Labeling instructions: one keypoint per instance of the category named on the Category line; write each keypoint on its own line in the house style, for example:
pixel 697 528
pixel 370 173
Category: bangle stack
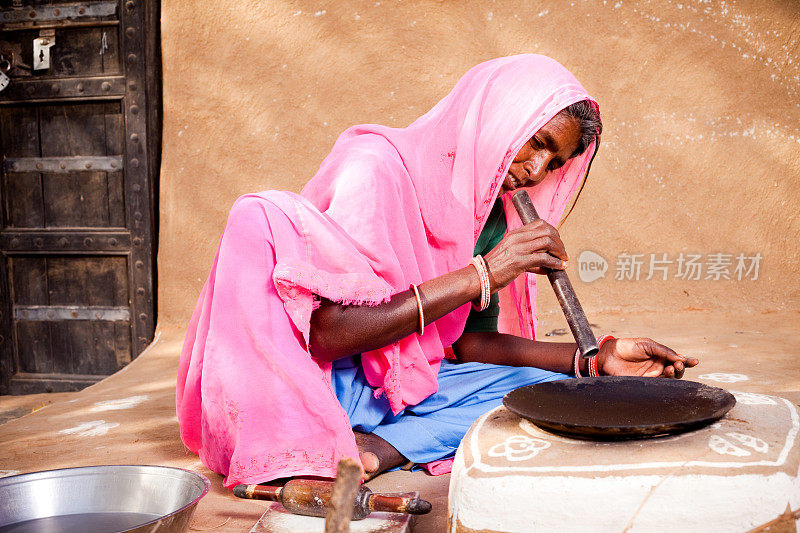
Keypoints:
pixel 576 363
pixel 592 362
pixel 483 274
pixel 421 329
pixel 603 338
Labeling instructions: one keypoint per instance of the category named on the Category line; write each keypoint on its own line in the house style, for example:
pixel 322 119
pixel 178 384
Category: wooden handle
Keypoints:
pixel 345 488
pixel 581 331
pixel 398 504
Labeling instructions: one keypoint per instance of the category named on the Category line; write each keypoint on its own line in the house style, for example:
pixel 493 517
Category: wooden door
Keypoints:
pixel 79 161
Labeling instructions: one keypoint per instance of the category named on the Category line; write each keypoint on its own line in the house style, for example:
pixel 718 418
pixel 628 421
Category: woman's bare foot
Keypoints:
pixel 377 455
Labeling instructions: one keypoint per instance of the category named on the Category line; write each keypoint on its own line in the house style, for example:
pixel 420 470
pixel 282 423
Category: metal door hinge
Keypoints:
pixel 64 13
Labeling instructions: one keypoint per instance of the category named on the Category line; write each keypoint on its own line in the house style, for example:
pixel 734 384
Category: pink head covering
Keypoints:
pixel 417 198
pixel 387 208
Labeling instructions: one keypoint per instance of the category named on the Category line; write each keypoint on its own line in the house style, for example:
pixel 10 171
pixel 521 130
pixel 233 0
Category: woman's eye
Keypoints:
pixel 535 144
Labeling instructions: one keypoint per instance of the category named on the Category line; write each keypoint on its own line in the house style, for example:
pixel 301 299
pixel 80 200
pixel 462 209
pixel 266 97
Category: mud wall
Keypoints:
pixel 698 174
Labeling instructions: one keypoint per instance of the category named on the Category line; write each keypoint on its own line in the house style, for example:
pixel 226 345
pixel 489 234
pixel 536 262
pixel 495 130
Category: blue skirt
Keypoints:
pixel 432 429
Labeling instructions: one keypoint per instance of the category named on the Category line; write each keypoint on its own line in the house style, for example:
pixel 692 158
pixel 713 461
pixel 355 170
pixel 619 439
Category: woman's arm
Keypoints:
pixel 503 349
pixel 339 331
pixel 617 357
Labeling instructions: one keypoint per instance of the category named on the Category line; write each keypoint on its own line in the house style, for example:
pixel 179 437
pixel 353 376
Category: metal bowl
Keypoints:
pixel 101 499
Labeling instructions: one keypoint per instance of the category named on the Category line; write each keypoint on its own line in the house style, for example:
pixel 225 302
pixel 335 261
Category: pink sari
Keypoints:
pixel 387 208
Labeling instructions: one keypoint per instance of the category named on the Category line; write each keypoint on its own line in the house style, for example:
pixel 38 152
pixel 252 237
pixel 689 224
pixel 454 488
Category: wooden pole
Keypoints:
pixel 343 496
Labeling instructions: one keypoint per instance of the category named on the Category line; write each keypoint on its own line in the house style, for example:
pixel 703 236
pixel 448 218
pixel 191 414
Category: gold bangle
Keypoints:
pixel 421 329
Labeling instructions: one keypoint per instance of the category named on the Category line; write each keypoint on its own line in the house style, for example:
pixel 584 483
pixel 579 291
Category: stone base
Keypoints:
pixel 734 475
pixel 276 519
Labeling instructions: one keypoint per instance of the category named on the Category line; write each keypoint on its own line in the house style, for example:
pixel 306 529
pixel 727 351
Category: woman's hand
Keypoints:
pixel 535 248
pixel 642 357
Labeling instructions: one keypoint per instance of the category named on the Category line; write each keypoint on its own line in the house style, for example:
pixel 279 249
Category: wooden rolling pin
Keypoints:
pixel 312 498
pixel 576 318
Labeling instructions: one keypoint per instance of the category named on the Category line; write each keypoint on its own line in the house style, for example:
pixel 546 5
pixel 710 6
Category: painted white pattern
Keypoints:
pixel 724 378
pixel 723 446
pixel 519 448
pixel 751 398
pixel 115 405
pixel 478 464
pixel 95 428
pixel 750 441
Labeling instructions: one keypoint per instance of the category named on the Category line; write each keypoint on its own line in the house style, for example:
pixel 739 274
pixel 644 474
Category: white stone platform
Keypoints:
pixel 734 475
pixel 276 519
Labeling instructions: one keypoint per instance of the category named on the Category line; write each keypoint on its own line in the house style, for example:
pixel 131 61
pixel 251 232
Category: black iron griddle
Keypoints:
pixel 619 408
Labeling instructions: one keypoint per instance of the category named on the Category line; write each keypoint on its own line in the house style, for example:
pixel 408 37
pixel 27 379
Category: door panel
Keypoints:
pixel 72 313
pixel 83 199
pixel 77 52
pixel 24 205
pixel 77 191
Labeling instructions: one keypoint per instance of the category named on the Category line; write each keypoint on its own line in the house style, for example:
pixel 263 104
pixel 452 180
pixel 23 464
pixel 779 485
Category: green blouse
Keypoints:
pixel 492 234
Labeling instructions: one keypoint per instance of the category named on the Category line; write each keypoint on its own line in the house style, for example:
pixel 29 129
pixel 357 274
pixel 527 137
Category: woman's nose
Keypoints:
pixel 536 167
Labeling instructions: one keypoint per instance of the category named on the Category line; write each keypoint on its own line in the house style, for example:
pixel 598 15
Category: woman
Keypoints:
pixel 334 322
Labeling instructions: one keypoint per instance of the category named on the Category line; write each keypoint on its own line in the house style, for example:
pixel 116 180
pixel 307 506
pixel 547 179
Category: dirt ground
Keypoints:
pixel 12 407
pixel 130 417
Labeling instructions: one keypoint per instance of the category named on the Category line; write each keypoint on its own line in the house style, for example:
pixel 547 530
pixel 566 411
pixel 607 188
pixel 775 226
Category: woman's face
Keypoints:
pixel 548 149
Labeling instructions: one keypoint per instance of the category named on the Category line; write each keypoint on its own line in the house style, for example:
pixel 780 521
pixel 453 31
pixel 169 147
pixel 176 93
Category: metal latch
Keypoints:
pixel 6 61
pixel 41 49
pixel 6 64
